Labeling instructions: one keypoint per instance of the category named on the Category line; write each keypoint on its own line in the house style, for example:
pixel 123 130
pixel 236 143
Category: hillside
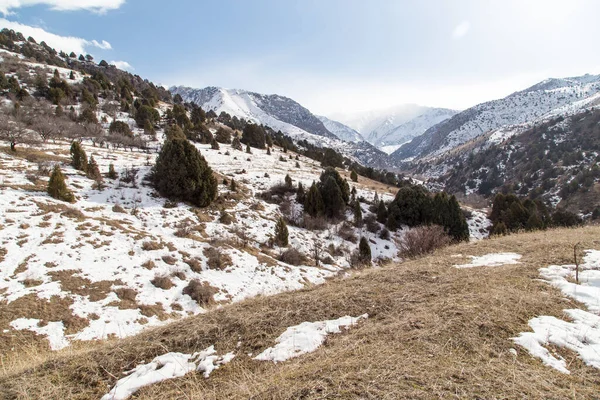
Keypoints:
pixel 519 112
pixel 433 330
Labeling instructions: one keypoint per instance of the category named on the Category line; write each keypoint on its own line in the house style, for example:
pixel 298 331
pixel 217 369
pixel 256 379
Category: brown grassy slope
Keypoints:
pixel 434 332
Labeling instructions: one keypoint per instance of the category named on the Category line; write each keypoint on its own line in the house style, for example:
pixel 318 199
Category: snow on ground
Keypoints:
pixel 96 260
pixel 479 224
pixel 492 260
pixel 305 338
pixel 165 367
pixel 582 334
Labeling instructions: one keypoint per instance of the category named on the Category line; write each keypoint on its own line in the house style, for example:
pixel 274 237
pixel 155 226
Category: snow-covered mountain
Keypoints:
pixel 515 113
pixel 389 128
pixel 413 128
pixel 282 114
pixel 342 131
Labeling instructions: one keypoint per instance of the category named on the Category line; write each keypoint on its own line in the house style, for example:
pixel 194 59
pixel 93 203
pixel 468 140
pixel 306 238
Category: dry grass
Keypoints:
pixel 434 331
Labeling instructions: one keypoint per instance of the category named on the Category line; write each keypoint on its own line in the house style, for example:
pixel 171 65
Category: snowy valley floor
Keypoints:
pixel 432 331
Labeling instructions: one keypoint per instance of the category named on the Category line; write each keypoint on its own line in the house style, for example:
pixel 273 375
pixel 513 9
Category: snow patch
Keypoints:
pixel 305 338
pixel 165 367
pixel 492 260
pixel 54 331
pixel 582 335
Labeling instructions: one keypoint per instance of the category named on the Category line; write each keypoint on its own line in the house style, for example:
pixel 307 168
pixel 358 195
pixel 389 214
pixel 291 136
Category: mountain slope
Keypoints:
pixel 429 322
pixel 417 126
pixel 341 131
pixel 281 114
pixel 544 100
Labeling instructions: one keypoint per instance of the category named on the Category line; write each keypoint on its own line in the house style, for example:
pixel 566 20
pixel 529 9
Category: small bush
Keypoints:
pixel 126 294
pixel 202 293
pixel 118 209
pixel 384 234
pixel 292 256
pixel 152 245
pixel 371 223
pixel 314 223
pixel 194 263
pixel 162 282
pixel 169 259
pixel 423 240
pixel 346 232
pixel 216 259
pixel 149 264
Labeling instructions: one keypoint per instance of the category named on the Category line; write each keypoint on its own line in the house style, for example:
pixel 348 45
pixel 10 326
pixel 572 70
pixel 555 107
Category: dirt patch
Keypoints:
pixel 69 282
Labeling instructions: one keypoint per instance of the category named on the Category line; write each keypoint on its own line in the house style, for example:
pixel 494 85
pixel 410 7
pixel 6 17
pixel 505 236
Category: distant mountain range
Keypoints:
pixel 286 115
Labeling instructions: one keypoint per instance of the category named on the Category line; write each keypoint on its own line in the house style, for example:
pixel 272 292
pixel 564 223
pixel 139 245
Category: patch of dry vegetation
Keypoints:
pixel 434 331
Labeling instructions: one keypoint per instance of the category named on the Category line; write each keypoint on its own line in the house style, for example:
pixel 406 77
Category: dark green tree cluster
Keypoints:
pixel 120 127
pixel 512 214
pixel 281 233
pixel 329 197
pixel 254 135
pixel 414 206
pixel 181 173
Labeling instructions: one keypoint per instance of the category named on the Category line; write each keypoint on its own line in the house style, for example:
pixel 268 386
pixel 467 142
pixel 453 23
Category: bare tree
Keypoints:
pixel 45 126
pixel 13 128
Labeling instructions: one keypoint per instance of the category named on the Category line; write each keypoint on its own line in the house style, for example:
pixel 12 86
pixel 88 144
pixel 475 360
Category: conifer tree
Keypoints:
pixel 233 186
pixel 112 174
pixel 248 149
pixel 381 212
pixel 236 144
pixel 214 145
pixel 364 251
pixel 333 201
pixel 358 217
pixel 341 183
pixel 268 151
pixel 223 136
pixel 78 157
pixel 57 188
pixel 313 205
pixel 300 195
pixel 288 181
pixel 457 224
pixel 354 176
pixel 281 233
pixel 254 135
pixel 182 173
pixel 92 170
pixel 269 141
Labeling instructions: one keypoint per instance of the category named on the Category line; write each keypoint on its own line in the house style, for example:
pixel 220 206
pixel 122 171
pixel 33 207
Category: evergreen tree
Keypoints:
pixel 381 212
pixel 313 205
pixel 78 157
pixel 364 251
pixel 457 225
pixel 269 140
pixel 331 158
pixel 248 149
pixel 340 182
pixel 72 76
pixel 57 188
pixel 254 135
pixel 288 181
pixel 112 174
pixel 333 200
pixel 223 136
pixel 236 144
pixel 300 195
pixel 182 173
pixel 268 151
pixel 281 233
pixel 354 176
pixel 92 170
pixel 411 206
pixel 233 185
pixel 358 217
pixel 174 132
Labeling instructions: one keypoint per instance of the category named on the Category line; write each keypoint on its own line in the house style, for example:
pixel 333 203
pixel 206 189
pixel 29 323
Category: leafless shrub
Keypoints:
pixel 293 257
pixel 202 293
pixel 346 232
pixel 118 209
pixel 423 240
pixel 149 264
pixel 169 259
pixel 152 245
pixel 162 282
pixel 216 259
pixel 194 263
pixel 314 223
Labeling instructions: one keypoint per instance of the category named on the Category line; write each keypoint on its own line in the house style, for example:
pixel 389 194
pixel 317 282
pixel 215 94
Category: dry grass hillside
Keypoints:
pixel 433 331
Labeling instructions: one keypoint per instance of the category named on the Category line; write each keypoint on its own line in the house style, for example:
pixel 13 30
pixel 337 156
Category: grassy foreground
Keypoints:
pixel 434 331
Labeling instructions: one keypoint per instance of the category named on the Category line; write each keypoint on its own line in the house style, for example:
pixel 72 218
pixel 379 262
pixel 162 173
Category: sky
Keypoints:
pixel 332 56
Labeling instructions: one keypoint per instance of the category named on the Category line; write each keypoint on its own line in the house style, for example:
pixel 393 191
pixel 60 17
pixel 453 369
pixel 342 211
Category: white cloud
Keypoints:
pixel 98 6
pixel 124 65
pixel 104 45
pixel 461 30
pixel 65 43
